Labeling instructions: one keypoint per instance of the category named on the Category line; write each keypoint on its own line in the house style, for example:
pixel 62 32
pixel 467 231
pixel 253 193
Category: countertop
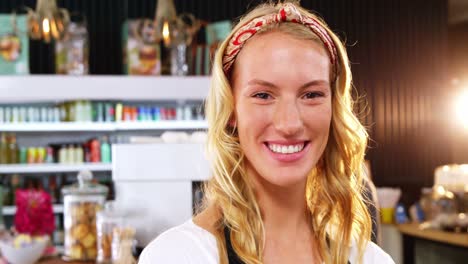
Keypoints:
pixel 457 239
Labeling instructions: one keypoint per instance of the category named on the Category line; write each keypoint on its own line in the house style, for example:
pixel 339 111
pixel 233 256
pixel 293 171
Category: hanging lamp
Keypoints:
pixel 48 21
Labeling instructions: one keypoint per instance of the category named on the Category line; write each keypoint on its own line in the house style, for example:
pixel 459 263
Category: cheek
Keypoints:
pixel 251 120
pixel 319 119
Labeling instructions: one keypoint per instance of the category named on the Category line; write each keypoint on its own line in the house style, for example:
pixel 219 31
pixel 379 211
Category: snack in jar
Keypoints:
pixel 82 202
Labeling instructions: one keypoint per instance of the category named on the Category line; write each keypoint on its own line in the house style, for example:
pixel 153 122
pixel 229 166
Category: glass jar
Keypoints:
pixel 426 203
pixel 445 209
pixel 71 53
pixel 106 221
pixel 123 244
pixel 81 202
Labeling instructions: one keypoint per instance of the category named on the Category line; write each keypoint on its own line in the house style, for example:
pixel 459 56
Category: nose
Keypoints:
pixel 287 118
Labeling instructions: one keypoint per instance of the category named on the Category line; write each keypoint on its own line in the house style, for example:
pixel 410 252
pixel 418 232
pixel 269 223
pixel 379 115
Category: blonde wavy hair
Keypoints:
pixel 339 214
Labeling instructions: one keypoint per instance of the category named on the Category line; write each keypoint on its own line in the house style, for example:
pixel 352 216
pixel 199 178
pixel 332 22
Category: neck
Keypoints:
pixel 284 208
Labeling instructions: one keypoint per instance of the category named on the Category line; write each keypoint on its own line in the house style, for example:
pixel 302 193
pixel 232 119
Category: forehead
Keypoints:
pixel 275 55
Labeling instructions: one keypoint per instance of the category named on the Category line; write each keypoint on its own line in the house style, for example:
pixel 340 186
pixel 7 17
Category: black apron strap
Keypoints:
pixel 233 258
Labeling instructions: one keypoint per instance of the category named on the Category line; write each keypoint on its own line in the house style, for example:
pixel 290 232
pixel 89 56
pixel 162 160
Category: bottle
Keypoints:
pixel 62 154
pixel 89 111
pixel 58 235
pixel 14 185
pixel 6 189
pixel 43 114
pixel 70 154
pixel 78 111
pixel 30 115
pixel 12 150
pixel 53 189
pixel 95 150
pixel 50 155
pixel 78 151
pixel 105 151
pixel 22 114
pixel 23 155
pixel 7 118
pixel 3 149
pixel 15 115
pixel 99 112
pixel 31 156
pixel 118 112
pixel 40 155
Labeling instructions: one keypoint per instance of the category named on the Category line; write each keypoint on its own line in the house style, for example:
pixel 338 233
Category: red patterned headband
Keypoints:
pixel 287 13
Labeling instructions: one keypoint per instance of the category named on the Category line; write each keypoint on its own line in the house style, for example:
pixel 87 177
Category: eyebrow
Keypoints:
pixel 271 85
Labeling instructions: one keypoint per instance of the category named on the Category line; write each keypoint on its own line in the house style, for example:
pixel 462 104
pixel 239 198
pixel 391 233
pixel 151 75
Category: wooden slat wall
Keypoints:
pixel 398 51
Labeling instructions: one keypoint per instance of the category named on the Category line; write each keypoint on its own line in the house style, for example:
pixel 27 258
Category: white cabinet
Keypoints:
pixel 154 184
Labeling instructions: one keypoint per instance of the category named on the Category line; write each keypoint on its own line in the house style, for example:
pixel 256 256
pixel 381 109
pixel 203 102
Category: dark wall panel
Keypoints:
pixel 398 52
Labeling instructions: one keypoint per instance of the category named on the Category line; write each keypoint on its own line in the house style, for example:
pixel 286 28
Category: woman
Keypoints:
pixel 286 151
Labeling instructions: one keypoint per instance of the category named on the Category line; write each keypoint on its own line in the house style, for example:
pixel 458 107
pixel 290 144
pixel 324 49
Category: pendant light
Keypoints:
pixel 48 21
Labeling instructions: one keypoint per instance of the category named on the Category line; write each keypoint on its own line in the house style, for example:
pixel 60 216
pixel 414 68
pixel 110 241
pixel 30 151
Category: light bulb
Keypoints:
pixel 166 34
pixel 46 25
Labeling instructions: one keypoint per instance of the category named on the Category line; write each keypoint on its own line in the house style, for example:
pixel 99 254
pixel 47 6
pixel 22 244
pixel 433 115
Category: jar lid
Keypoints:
pixel 110 213
pixel 85 186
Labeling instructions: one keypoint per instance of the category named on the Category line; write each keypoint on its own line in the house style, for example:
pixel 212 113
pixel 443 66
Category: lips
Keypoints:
pixel 287 151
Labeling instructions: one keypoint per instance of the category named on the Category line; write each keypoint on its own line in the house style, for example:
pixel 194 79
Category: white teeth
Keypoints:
pixel 286 149
pixel 296 148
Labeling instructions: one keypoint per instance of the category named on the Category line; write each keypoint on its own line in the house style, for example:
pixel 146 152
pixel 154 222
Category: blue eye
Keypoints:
pixel 263 96
pixel 312 95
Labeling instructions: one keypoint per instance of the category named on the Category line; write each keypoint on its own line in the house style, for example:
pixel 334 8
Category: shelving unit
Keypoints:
pixel 57 88
pixel 102 127
pixel 11 210
pixel 51 89
pixel 52 168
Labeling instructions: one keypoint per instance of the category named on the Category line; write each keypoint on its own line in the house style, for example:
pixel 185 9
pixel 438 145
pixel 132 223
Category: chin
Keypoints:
pixel 284 177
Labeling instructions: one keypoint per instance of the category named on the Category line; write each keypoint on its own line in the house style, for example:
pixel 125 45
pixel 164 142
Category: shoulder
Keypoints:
pixel 372 254
pixel 186 243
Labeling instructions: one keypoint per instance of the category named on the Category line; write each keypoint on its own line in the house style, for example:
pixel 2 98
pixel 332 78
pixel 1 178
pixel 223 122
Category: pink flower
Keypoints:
pixel 34 214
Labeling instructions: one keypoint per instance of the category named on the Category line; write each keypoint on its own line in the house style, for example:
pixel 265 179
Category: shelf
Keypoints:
pixel 46 88
pixel 45 127
pixel 162 125
pixel 11 210
pixel 48 168
pixel 105 127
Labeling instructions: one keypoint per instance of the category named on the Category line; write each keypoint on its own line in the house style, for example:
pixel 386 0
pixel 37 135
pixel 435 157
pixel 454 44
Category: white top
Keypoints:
pixel 190 244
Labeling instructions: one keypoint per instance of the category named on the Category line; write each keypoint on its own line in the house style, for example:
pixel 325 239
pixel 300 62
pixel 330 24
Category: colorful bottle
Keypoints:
pixel 105 151
pixel 15 185
pixel 95 150
pixel 78 151
pixel 12 150
pixel 62 154
pixel 3 149
pixel 50 155
pixel 52 188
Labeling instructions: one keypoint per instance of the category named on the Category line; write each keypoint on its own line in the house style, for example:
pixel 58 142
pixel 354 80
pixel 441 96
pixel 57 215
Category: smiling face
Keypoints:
pixel 283 109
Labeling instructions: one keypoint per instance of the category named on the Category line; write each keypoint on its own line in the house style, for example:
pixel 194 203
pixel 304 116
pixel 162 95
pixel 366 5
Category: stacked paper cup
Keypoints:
pixel 388 199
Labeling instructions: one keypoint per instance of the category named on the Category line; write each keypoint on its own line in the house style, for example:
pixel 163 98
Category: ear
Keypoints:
pixel 232 121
